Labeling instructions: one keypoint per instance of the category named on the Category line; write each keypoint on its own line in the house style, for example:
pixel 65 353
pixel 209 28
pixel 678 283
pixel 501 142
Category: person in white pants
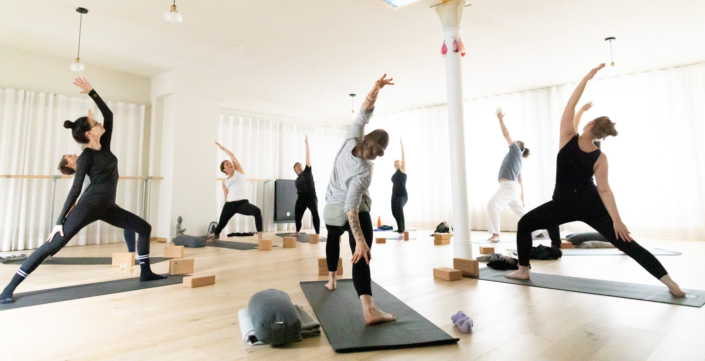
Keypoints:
pixel 511 188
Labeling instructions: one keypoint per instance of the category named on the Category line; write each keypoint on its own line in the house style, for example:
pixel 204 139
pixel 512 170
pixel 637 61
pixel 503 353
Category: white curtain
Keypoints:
pixel 268 150
pixel 32 141
pixel 657 163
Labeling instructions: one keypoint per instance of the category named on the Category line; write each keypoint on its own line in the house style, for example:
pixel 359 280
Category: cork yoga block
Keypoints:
pixel 406 236
pixel 441 239
pixel 444 236
pixel 181 266
pixel 289 242
pixel 193 282
pixel 323 271
pixel 313 239
pixel 264 245
pixel 323 262
pixel 447 274
pixel 486 250
pixel 468 267
pixel 340 240
pixel 174 252
pixel 566 245
pixel 380 240
pixel 124 257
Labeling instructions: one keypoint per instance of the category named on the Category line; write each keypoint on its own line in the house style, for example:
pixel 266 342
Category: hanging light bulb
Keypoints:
pixel 352 106
pixel 612 69
pixel 77 65
pixel 172 16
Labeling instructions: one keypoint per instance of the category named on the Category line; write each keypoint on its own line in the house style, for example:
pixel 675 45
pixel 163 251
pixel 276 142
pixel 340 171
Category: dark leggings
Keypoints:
pixel 398 203
pixel 242 207
pixel 312 204
pixel 83 214
pixel 361 270
pixel 569 205
pixel 130 239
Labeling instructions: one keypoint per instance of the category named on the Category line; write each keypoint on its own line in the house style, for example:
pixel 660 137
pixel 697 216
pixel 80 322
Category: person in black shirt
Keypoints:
pixel 306 189
pixel 98 201
pixel 399 195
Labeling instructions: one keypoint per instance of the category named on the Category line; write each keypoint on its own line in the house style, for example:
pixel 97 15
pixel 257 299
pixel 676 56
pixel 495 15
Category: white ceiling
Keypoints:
pixel 310 54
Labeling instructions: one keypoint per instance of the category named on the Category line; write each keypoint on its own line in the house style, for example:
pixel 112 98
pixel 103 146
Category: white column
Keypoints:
pixel 450 14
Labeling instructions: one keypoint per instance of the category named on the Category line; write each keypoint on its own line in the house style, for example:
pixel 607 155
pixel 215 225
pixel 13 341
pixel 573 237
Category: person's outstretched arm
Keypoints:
pixel 402 167
pixel 505 131
pixel 579 115
pixel 87 88
pixel 236 164
pixel 567 126
pixel 603 188
pixel 225 192
pixel 521 183
pixel 357 129
pixel 308 153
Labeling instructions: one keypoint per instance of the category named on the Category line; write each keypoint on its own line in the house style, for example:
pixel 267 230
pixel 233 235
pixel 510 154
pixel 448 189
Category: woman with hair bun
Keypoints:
pixel 577 198
pixel 98 202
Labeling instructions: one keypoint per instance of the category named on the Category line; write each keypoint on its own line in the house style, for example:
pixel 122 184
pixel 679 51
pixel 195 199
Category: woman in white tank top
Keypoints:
pixel 235 190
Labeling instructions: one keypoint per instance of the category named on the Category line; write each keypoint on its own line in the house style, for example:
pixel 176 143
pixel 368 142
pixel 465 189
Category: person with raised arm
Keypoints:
pixel 98 202
pixel 235 192
pixel 577 198
pixel 348 203
pixel 306 194
pixel 399 194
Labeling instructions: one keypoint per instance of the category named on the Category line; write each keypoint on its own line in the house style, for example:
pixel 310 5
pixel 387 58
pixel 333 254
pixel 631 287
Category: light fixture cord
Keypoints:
pixel 80 24
pixel 352 103
pixel 611 56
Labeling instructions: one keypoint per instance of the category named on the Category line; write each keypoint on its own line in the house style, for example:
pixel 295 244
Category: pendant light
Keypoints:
pixel 172 16
pixel 352 106
pixel 77 65
pixel 612 69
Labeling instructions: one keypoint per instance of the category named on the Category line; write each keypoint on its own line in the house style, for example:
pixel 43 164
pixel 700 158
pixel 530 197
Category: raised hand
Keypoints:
pixel 82 83
pixel 381 82
pixel 587 106
pixel 594 71
pixel 219 146
pixel 306 141
pixel 499 114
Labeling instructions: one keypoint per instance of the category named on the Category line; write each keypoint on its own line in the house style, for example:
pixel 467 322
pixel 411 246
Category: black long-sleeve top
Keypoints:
pixel 399 184
pixel 101 166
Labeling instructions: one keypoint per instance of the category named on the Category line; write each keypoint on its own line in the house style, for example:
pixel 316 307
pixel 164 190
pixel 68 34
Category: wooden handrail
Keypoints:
pixel 64 177
pixel 264 180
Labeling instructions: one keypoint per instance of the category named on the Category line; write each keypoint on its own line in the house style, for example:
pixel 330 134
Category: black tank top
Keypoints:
pixel 574 167
pixel 399 184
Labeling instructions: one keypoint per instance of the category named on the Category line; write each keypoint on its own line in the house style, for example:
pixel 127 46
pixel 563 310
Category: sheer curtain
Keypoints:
pixel 657 163
pixel 32 141
pixel 267 150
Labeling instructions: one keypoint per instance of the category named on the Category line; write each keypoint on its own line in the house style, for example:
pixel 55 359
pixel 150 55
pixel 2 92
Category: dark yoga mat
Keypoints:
pixel 340 315
pixel 36 298
pixel 694 298
pixel 302 238
pixel 241 246
pixel 84 261
pixel 609 252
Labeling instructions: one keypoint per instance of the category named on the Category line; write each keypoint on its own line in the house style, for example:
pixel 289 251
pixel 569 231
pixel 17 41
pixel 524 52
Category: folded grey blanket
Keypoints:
pixel 310 327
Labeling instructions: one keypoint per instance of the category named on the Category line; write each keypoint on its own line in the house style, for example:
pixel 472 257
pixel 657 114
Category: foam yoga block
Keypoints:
pixel 441 239
pixel 289 242
pixel 264 245
pixel 566 245
pixel 123 257
pixel 380 240
pixel 313 238
pixel 193 282
pixel 180 266
pixel 406 236
pixel 174 252
pixel 486 250
pixel 447 274
pixel 468 267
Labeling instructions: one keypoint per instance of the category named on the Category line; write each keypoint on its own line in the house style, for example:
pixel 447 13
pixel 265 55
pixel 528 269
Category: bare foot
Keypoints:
pixel 521 274
pixel 494 238
pixel 210 238
pixel 672 286
pixel 332 281
pixel 375 316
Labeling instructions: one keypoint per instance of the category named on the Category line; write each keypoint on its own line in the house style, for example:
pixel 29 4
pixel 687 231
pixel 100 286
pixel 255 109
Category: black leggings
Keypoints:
pixel 83 214
pixel 398 203
pixel 312 204
pixel 569 205
pixel 242 207
pixel 361 270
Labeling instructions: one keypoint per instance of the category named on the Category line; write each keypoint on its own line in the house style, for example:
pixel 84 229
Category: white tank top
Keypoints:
pixel 237 187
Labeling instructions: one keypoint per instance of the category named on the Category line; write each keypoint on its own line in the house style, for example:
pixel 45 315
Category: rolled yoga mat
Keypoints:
pixel 302 238
pixel 84 261
pixel 340 315
pixel 694 298
pixel 610 252
pixel 69 293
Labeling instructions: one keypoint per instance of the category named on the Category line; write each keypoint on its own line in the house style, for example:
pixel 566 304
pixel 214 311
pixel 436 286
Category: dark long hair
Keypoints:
pixel 79 129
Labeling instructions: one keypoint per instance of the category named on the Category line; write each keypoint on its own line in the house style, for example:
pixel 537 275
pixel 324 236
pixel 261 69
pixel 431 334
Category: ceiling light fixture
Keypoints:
pixel 77 65
pixel 612 70
pixel 172 16
pixel 399 3
pixel 352 106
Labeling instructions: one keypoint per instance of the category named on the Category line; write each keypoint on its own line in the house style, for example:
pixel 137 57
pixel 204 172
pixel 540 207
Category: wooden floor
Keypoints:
pixel 511 322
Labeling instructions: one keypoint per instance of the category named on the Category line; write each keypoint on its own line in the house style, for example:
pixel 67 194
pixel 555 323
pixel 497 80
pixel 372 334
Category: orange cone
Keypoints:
pixel 379 222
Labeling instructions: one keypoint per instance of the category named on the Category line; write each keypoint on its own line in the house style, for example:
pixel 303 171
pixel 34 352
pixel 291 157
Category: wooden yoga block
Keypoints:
pixel 447 274
pixel 181 266
pixel 440 239
pixel 469 267
pixel 323 262
pixel 406 236
pixel 486 250
pixel 193 282
pixel 340 240
pixel 323 271
pixel 380 240
pixel 124 257
pixel 566 245
pixel 289 242
pixel 313 238
pixel 264 245
pixel 174 252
